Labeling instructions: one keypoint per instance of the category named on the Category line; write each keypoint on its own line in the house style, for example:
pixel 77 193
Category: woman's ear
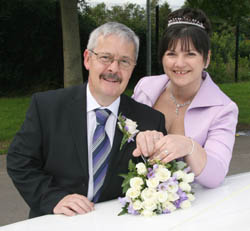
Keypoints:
pixel 208 59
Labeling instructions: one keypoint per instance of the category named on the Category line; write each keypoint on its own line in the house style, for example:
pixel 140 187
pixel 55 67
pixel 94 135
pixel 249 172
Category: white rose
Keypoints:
pixel 169 206
pixel 133 193
pixel 188 177
pixel 185 204
pixel 149 205
pixel 136 182
pixel 152 182
pixel 148 193
pixel 173 196
pixel 162 174
pixel 162 196
pixel 191 197
pixel 178 174
pixel 173 188
pixel 184 186
pixel 147 213
pixel 131 126
pixel 137 205
pixel 141 168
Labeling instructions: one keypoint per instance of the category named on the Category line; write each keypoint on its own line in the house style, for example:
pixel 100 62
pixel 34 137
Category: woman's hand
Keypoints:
pixel 172 147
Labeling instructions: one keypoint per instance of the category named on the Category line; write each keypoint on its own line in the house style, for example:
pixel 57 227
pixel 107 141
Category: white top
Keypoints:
pixel 91 126
pixel 226 208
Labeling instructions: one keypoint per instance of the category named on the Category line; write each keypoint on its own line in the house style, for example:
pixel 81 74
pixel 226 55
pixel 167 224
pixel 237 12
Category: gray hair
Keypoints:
pixel 114 28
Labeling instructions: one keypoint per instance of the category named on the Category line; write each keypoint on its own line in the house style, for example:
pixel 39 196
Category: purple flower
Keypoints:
pixel 124 117
pixel 155 166
pixel 151 173
pixel 177 203
pixel 132 211
pixel 183 195
pixel 165 211
pixel 123 200
pixel 126 127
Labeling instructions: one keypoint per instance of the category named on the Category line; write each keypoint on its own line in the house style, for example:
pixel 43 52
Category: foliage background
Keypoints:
pixel 31 51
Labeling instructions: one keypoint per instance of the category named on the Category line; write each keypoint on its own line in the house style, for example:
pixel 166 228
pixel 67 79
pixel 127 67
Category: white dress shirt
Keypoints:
pixel 91 126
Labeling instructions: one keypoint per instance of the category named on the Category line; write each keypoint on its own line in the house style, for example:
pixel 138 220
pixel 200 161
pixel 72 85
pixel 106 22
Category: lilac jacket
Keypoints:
pixel 210 120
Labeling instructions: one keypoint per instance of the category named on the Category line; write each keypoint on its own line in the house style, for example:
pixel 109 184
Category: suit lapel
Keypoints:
pixel 77 118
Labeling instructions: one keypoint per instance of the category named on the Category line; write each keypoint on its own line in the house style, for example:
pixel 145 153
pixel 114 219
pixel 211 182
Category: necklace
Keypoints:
pixel 178 105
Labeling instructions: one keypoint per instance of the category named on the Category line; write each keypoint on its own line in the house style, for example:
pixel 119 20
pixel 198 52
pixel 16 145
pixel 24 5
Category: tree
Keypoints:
pixel 71 43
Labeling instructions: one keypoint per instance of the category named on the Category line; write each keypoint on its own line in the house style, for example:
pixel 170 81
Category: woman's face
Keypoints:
pixel 184 67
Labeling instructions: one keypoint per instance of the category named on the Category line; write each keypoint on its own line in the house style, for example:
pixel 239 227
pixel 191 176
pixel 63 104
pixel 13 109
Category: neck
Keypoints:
pixel 184 94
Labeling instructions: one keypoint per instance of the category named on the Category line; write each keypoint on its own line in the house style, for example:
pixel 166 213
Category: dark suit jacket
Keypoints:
pixel 48 158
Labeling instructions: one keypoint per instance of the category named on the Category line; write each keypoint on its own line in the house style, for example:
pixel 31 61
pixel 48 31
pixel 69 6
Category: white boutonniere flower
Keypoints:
pixel 128 128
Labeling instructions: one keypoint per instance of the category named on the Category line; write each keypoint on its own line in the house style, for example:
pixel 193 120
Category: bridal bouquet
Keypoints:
pixel 156 188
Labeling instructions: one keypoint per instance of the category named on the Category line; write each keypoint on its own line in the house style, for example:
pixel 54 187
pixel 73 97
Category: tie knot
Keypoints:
pixel 102 115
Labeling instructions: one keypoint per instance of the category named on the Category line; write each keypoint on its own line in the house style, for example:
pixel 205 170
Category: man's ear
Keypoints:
pixel 86 57
pixel 208 59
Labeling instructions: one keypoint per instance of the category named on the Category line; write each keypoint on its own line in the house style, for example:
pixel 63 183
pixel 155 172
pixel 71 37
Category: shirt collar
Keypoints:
pixel 92 103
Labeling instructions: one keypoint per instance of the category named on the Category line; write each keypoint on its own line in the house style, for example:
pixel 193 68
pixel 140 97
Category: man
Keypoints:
pixel 51 159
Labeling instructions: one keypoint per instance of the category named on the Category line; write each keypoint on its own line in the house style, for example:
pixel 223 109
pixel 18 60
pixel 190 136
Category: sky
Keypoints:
pixel 174 4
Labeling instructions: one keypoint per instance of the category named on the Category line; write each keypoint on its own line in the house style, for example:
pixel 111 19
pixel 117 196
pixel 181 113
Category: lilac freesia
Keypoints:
pixel 151 173
pixel 131 210
pixel 123 200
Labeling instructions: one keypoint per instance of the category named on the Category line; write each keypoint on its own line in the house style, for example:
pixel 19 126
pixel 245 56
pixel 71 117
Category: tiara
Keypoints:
pixel 194 22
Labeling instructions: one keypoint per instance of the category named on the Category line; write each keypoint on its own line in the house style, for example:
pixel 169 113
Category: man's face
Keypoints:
pixel 107 81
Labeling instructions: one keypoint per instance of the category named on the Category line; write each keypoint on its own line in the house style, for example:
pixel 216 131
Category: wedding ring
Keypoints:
pixel 166 152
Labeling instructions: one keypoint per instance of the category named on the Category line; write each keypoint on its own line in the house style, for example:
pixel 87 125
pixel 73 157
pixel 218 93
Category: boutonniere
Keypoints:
pixel 128 128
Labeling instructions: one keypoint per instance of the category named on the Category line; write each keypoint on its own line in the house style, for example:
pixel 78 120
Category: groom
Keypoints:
pixel 52 158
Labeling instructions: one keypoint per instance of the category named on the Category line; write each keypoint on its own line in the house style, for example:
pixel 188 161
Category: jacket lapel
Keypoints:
pixel 77 118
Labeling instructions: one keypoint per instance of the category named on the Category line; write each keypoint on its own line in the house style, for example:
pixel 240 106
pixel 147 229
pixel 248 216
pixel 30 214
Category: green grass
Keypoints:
pixel 11 117
pixel 240 93
pixel 13 110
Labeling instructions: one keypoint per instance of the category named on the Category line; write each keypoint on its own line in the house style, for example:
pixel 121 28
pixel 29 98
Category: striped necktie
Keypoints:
pixel 100 151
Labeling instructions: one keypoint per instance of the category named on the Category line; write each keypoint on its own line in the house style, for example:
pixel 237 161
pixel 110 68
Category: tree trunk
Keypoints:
pixel 71 43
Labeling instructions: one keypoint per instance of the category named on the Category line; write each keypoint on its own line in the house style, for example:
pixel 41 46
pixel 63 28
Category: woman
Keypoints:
pixel 200 119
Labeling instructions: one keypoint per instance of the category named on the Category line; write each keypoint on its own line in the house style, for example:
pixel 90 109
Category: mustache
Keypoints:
pixel 111 76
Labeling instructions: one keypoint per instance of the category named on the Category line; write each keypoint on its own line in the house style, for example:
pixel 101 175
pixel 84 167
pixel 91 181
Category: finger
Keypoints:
pixel 161 145
pixel 137 152
pixel 141 143
pixel 85 200
pixel 167 158
pixel 81 204
pixel 67 211
pixel 63 210
pixel 150 144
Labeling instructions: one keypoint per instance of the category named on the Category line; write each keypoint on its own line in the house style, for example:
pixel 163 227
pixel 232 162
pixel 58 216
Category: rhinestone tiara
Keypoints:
pixel 188 21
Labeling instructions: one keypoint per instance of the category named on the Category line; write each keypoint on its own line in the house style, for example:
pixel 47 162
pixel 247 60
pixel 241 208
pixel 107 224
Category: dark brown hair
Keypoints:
pixel 187 33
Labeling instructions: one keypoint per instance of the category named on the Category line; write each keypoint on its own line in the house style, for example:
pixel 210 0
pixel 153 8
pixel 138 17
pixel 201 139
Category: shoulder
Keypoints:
pixel 62 95
pixel 149 88
pixel 149 82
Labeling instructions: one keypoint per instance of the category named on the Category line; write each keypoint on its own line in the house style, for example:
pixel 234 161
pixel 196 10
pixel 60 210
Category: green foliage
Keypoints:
pixel 31 52
pixel 31 47
pixel 222 65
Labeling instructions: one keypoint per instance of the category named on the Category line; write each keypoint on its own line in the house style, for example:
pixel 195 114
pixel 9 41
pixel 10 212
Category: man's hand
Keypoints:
pixel 73 204
pixel 146 142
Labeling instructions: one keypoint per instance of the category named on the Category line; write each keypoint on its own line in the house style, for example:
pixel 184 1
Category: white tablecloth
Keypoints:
pixel 224 208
